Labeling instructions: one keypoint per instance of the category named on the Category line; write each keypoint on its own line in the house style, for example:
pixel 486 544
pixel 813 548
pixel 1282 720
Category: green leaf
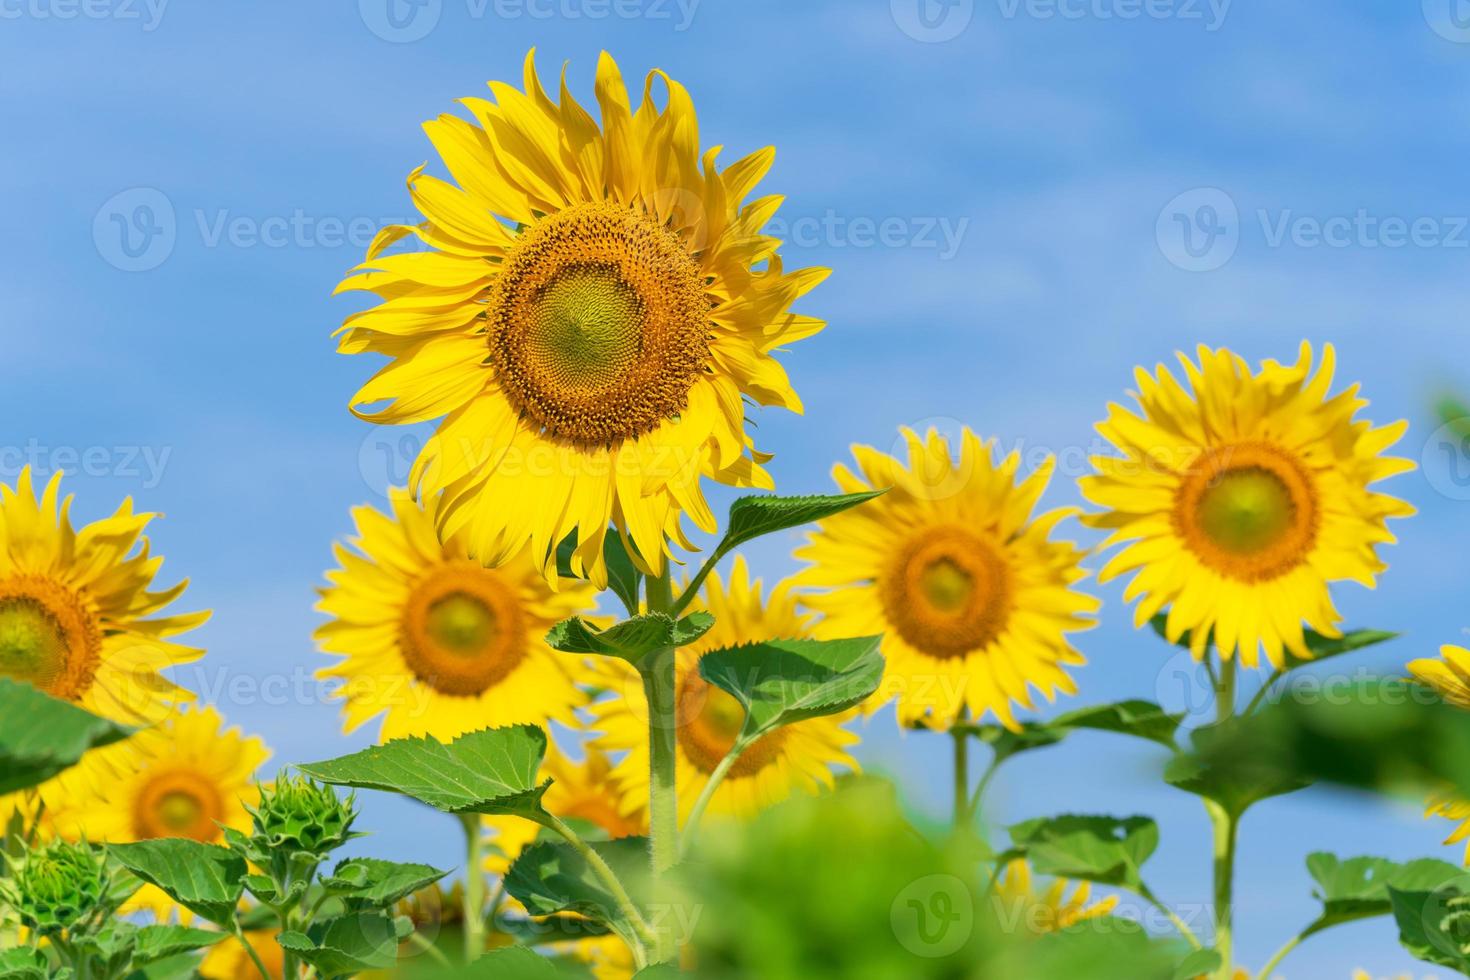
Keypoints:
pixel 41 736
pixel 205 879
pixel 780 682
pixel 491 771
pixel 1357 888
pixel 659 971
pixel 510 963
pixel 551 878
pixel 23 963
pixel 349 944
pixel 1434 926
pixel 379 883
pixel 153 943
pixel 754 517
pixel 1107 850
pixel 1140 719
pixel 623 577
pixel 631 639
pixel 1199 963
pixel 1321 647
pixel 1235 782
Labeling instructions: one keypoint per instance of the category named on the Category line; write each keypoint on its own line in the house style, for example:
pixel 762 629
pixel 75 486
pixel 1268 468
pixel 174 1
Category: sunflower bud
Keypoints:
pixel 58 886
pixel 302 816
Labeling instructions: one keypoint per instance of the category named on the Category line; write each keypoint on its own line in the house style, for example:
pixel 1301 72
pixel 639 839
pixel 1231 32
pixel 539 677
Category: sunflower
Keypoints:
pixel 797 757
pixel 1023 908
pixel 971 593
pixel 1450 678
pixel 77 619
pixel 1242 498
pixel 188 777
pixel 438 643
pixel 594 308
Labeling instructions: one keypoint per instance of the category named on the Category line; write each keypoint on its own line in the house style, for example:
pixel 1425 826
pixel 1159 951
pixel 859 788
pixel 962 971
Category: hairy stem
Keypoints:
pixel 961 778
pixel 474 888
pixel 691 826
pixel 250 951
pixel 663 723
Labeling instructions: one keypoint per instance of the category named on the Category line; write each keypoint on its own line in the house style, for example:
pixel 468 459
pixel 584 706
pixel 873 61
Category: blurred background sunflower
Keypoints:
pixel 593 310
pixel 1240 498
pixel 799 757
pixel 1449 676
pixel 974 598
pixel 77 619
pixel 188 777
pixel 439 644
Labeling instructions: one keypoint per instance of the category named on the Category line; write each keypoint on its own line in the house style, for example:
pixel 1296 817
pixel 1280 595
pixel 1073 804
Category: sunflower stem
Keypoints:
pixel 425 945
pixel 474 888
pixel 961 777
pixel 1225 824
pixel 1147 895
pixel 660 692
pixel 250 951
pixel 605 874
pixel 1280 955
pixel 691 826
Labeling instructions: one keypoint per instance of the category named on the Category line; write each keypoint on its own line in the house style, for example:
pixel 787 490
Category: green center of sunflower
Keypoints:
pixel 946 585
pixel 1246 510
pixel 179 811
pixel 463 630
pixel 181 802
pixel 598 324
pixel 32 642
pixel 948 592
pixel 461 624
pixel 1249 511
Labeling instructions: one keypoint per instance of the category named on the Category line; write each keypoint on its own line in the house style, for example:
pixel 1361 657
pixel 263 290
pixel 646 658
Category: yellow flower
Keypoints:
pixel 186 777
pixel 1243 497
pixel 437 643
pixel 973 597
pixel 594 309
pixel 796 757
pixel 1450 678
pixel 1021 907
pixel 228 960
pixel 77 618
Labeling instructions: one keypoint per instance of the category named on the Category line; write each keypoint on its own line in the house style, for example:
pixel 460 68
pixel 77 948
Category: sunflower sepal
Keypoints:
pixel 631 639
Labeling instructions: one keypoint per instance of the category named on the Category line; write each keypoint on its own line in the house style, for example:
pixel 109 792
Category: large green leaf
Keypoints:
pixel 551 878
pixel 205 879
pixel 1139 719
pixel 379 883
pixel 491 771
pixel 510 963
pixel 754 517
pixel 1107 850
pixel 1197 963
pixel 1234 782
pixel 41 736
pixel 1357 888
pixel 23 963
pixel 1434 926
pixel 153 943
pixel 349 944
pixel 780 682
pixel 631 639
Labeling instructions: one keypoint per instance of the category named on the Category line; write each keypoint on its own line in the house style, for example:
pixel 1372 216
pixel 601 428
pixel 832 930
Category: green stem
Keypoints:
pixel 692 589
pixel 1179 924
pixel 426 945
pixel 1265 689
pixel 708 793
pixel 474 888
pixel 978 798
pixel 1225 693
pixel 1225 827
pixel 961 778
pixel 250 951
pixel 605 874
pixel 1275 961
pixel 663 725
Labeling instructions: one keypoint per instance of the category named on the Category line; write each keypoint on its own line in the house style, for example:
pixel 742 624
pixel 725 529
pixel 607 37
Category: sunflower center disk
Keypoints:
pixel 599 325
pixel 948 593
pixel 178 804
pixel 46 637
pixel 462 630
pixel 1248 511
pixel 709 722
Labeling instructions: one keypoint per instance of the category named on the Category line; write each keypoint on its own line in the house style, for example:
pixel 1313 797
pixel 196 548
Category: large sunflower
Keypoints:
pixel 972 595
pixel 187 777
pixel 1450 678
pixel 594 309
pixel 797 757
pixel 77 618
pixel 437 643
pixel 1242 497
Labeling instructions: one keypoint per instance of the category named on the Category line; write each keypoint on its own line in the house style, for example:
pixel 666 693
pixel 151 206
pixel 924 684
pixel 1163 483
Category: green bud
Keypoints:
pixel 300 815
pixel 58 886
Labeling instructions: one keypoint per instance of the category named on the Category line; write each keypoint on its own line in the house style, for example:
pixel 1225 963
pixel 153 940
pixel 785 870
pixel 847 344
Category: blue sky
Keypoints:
pixel 1036 164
